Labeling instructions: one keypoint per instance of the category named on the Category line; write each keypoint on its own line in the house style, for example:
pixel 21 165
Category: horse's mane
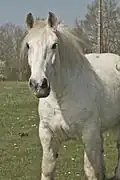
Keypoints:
pixel 71 47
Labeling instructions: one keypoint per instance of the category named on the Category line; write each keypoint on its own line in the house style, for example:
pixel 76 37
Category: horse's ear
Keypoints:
pixel 29 21
pixel 52 19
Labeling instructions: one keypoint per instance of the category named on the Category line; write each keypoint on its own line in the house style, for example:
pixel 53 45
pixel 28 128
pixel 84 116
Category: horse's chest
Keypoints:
pixel 67 120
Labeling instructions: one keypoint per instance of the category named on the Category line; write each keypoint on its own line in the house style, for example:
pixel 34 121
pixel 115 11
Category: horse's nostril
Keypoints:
pixel 44 83
pixel 33 84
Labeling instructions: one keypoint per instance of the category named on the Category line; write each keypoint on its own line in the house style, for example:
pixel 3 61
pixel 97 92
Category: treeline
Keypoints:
pixel 12 68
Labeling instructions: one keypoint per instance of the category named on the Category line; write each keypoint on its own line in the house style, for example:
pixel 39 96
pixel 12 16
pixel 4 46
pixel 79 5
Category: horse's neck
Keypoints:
pixel 66 77
pixel 73 75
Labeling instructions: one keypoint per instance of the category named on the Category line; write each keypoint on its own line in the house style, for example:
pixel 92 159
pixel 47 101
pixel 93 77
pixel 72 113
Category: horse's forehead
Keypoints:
pixel 39 36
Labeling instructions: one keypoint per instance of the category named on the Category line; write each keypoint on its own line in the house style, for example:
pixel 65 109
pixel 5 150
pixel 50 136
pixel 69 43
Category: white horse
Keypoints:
pixel 79 95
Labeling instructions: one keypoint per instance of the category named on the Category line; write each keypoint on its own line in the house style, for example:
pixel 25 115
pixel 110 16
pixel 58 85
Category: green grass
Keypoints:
pixel 20 157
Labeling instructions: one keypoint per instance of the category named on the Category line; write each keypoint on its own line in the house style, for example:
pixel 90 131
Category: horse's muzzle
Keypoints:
pixel 40 90
pixel 42 93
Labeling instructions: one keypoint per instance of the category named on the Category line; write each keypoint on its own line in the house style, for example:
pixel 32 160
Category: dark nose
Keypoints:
pixel 33 84
pixel 44 83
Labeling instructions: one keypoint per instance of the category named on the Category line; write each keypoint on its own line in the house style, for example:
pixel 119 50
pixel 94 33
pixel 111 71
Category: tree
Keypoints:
pixel 85 42
pixel 11 37
pixel 111 25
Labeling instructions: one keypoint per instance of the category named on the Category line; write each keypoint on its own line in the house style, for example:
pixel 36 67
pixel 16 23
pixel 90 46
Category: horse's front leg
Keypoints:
pixel 93 157
pixel 50 153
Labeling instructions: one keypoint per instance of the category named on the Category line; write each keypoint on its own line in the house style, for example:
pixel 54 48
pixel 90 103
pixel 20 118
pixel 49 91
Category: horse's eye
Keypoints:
pixel 27 45
pixel 54 46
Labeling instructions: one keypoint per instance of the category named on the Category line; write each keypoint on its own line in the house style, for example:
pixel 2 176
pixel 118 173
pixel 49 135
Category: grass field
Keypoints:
pixel 20 156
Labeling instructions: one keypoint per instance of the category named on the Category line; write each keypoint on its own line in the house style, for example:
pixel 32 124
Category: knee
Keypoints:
pixel 46 176
pixel 48 167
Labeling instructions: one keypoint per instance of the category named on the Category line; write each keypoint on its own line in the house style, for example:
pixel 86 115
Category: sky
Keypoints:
pixel 14 11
